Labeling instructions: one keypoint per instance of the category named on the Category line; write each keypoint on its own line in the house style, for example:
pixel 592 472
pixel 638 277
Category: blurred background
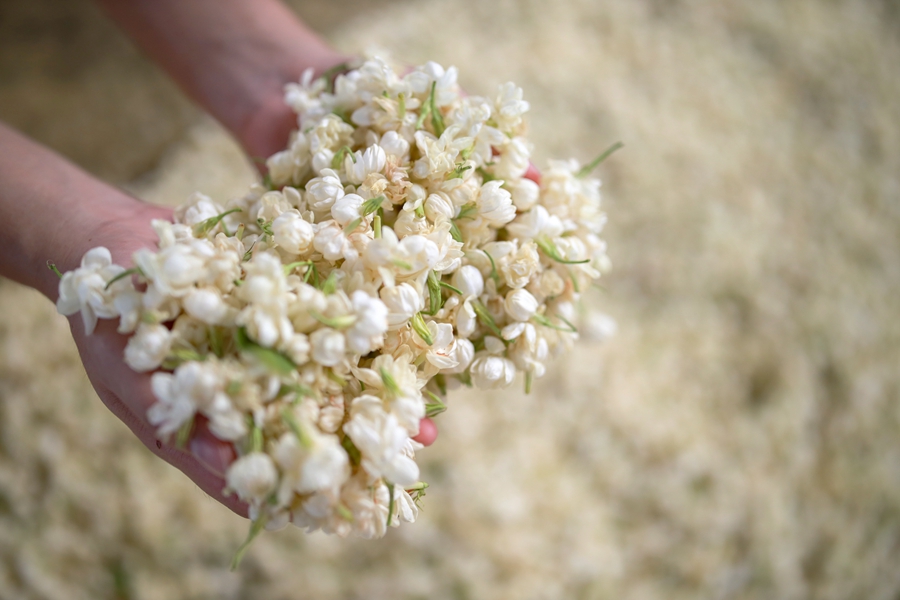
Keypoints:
pixel 739 437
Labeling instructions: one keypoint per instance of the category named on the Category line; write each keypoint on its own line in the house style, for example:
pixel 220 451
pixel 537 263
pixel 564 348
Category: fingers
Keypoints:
pixel 533 174
pixel 211 452
pixel 427 432
pixel 207 469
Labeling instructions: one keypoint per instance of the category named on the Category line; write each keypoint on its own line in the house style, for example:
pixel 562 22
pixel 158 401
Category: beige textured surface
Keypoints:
pixel 737 439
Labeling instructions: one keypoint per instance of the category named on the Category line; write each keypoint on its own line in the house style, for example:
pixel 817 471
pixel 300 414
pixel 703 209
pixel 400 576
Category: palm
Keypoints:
pixel 127 393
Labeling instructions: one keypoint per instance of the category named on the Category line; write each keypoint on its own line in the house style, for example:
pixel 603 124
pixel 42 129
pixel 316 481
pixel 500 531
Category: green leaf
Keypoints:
pixel 465 378
pixel 342 322
pixel 543 320
pixel 123 275
pixel 390 487
pixel 352 451
pixel 467 210
pixel 441 382
pixel 455 233
pixel 423 114
pixel 485 317
pixel 256 436
pixel 416 491
pixel 300 390
pixel 352 225
pixel 371 205
pixel 435 300
pixel 485 176
pixel 331 74
pixel 437 119
pixel 390 384
pixel 204 227
pixel 494 275
pixel 311 273
pixel 216 341
pixel 458 171
pixel 419 326
pixel 550 249
pixel 177 356
pixel 338 159
pixel 450 287
pixel 435 407
pixel 271 359
pixel 586 169
pixel 287 415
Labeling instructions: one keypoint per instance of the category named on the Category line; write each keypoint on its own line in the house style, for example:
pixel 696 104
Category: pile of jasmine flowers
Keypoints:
pixel 400 246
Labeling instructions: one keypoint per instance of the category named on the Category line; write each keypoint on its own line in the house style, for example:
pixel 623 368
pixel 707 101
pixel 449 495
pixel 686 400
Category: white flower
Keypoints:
pixel 525 194
pixel 331 241
pixel 492 372
pixel 180 395
pixel 509 106
pixel 442 352
pixel 519 268
pixel 297 348
pixel 468 280
pixel 466 319
pixel 292 232
pixel 513 160
pixel 346 208
pixel 207 305
pixel 173 270
pixel 381 441
pixel 148 347
pixel 327 346
pixel 253 477
pixel 361 164
pixel 396 381
pixel 368 505
pixel 370 324
pixel 495 204
pixel 84 289
pixel 316 463
pixel 225 421
pixel 324 190
pixel 331 133
pixel 129 305
pixel 289 166
pixel 536 222
pixel 463 352
pixel 394 145
pixel 439 206
pixel 198 208
pixel 520 305
pixel 402 302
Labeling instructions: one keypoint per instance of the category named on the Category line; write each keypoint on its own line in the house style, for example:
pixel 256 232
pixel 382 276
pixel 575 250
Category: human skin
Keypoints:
pixel 233 58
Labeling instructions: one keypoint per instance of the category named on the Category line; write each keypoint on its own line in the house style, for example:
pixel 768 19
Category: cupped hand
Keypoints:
pixel 127 393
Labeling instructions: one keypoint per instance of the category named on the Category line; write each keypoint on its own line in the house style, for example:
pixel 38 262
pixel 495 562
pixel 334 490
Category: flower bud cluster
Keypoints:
pixel 397 250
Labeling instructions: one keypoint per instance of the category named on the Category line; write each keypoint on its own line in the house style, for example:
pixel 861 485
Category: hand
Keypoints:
pixel 127 393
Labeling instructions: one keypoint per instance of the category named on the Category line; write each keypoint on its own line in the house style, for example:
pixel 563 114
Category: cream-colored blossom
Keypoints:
pixel 252 477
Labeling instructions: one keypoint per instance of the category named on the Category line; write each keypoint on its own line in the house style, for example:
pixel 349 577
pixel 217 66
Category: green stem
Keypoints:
pixel 586 169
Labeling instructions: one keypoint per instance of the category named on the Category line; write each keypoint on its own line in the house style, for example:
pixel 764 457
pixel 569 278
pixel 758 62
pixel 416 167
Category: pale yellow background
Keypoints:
pixel 738 438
